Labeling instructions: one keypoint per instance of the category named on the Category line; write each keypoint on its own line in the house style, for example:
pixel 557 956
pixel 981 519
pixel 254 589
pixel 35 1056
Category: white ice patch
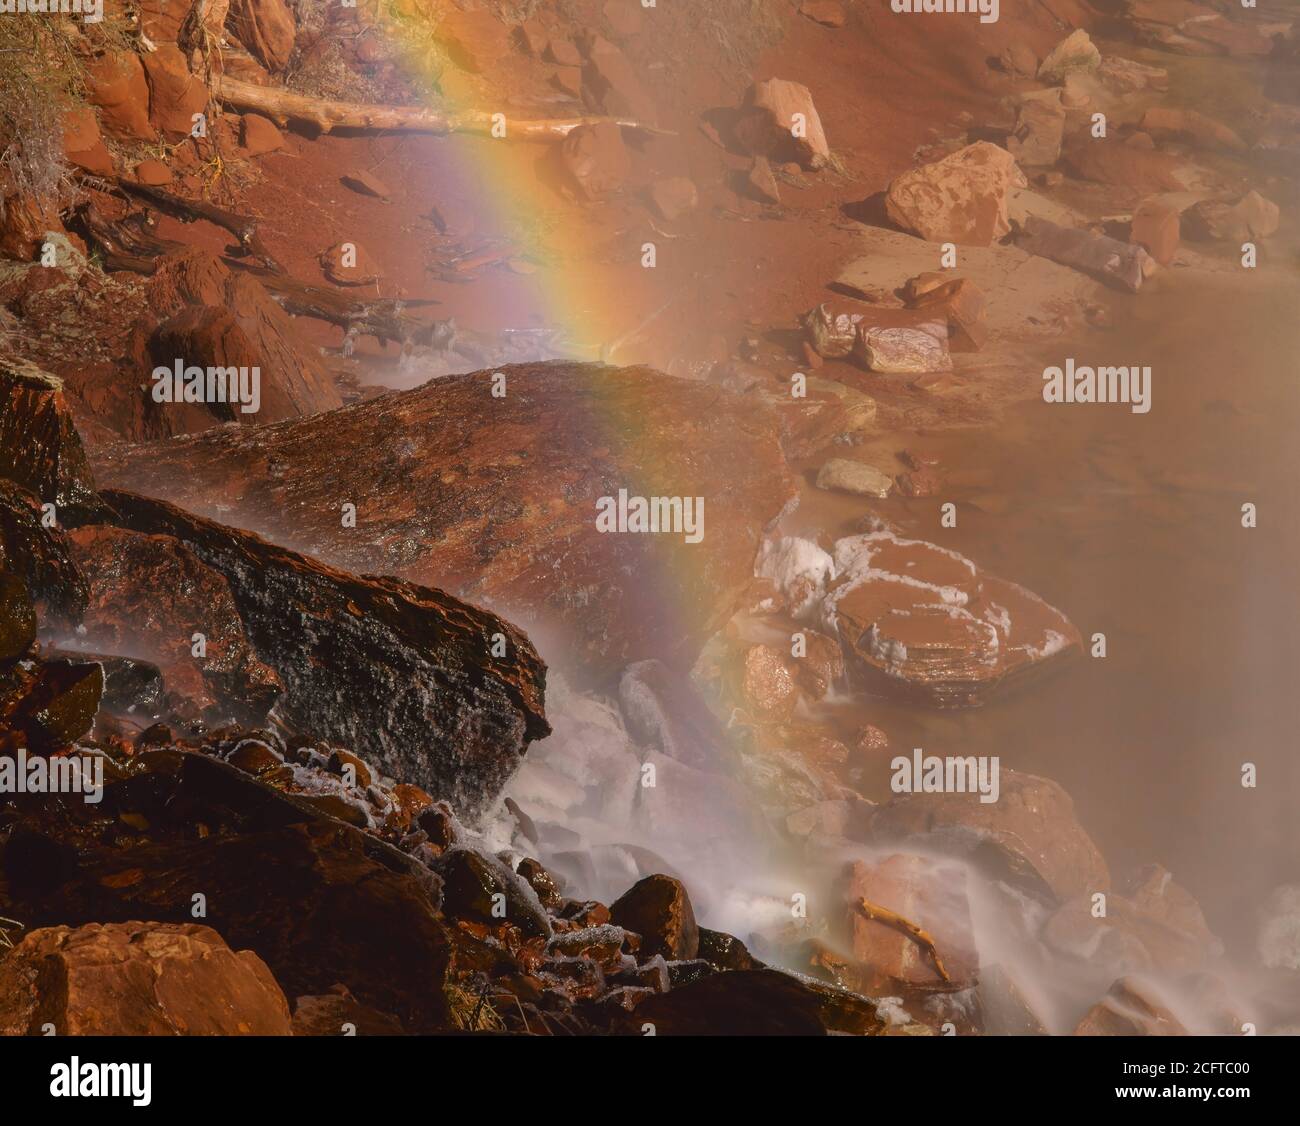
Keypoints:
pixel 1052 644
pixel 799 569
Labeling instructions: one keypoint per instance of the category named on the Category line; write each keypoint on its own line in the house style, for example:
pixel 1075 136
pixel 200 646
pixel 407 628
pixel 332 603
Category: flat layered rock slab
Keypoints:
pixel 920 621
pixel 1026 294
pixel 495 498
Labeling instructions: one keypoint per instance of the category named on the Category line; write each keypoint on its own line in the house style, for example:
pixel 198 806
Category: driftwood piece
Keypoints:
pixel 381 317
pixel 243 227
pixel 284 106
pixel 916 934
pixel 123 244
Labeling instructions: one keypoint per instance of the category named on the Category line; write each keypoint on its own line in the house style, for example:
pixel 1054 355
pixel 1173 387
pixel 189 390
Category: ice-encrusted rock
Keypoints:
pixel 799 568
pixel 926 621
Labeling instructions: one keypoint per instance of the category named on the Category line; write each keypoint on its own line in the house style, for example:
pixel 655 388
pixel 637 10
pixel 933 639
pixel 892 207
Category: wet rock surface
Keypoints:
pixel 496 498
pixel 457 718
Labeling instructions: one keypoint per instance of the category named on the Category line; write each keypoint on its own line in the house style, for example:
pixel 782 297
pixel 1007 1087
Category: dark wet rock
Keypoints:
pixel 475 887
pixel 403 674
pixel 659 909
pixel 338 1013
pixel 137 979
pixel 493 497
pixel 39 445
pixel 42 558
pixel 1030 835
pixel 132 688
pixel 725 952
pixel 549 893
pixel 17 617
pixel 1121 265
pixel 741 1003
pixel 49 704
pixel 149 597
pixel 320 902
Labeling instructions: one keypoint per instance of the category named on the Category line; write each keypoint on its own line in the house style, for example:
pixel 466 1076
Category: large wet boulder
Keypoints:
pixel 1030 835
pixel 39 445
pixel 137 979
pixel 494 496
pixel 41 556
pixel 439 693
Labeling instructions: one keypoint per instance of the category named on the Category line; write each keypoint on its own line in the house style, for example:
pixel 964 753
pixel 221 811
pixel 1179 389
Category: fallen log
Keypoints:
pixel 243 227
pixel 284 106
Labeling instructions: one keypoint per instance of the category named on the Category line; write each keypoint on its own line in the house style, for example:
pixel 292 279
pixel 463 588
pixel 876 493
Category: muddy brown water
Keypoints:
pixel 1132 524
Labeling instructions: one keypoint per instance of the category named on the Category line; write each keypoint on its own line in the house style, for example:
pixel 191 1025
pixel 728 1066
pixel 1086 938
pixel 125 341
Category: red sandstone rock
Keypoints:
pixel 153 172
pixel 1194 126
pixel 961 198
pixel 475 40
pixel 1114 162
pixel 349 263
pixel 1131 1008
pixel 779 121
pixel 1156 227
pixel 267 28
pixel 1030 833
pixel 115 82
pixel 614 85
pixel 259 135
pixel 596 159
pixel 137 979
pixel 930 894
pixel 963 304
pixel 673 197
pixel 175 95
pixel 768 683
pixel 82 143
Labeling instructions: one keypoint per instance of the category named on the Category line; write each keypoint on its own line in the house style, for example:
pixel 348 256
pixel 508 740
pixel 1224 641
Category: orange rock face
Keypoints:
pixel 961 198
pixel 138 979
